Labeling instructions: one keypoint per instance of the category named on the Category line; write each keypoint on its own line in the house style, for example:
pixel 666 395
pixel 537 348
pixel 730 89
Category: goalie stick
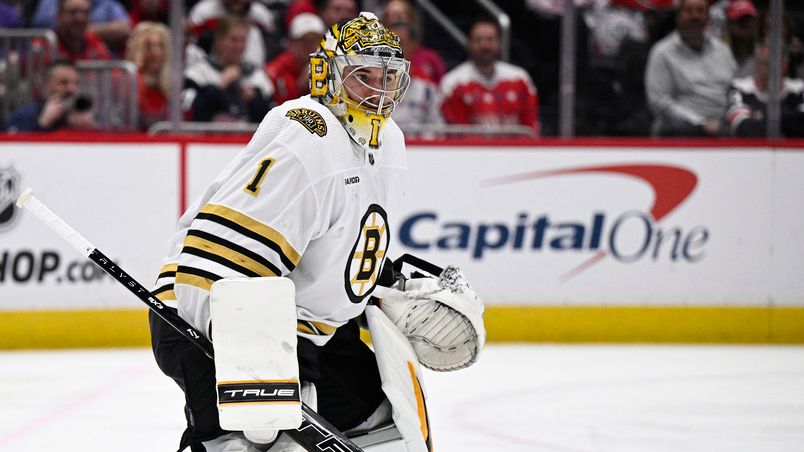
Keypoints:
pixel 314 434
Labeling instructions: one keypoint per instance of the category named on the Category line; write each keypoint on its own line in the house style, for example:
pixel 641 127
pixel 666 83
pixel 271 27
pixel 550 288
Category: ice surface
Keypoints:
pixel 517 398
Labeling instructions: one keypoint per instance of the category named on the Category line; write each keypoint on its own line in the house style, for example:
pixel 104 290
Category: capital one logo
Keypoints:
pixel 9 191
pixel 629 236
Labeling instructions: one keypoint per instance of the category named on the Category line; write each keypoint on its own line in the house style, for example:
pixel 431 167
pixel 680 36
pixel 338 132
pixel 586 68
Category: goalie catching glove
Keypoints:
pixel 442 317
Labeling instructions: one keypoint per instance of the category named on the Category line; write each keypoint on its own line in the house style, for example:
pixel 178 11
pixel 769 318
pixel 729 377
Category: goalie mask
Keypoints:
pixel 359 72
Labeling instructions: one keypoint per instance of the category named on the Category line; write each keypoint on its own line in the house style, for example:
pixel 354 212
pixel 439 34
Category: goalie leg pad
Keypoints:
pixel 401 381
pixel 256 368
pixel 231 442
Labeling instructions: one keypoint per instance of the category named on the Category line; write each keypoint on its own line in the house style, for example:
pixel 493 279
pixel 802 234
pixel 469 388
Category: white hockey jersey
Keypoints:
pixel 300 200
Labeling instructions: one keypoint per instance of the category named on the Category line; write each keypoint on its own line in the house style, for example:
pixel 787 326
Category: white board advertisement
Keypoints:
pixel 787 272
pixel 204 162
pixel 597 225
pixel 123 197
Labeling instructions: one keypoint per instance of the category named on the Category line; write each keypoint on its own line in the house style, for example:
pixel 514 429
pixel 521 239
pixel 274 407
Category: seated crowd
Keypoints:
pixel 707 76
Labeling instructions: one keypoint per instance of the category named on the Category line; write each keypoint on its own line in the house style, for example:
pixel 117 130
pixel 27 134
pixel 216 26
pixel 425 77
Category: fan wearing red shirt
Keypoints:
pixel 75 41
pixel 486 91
pixel 149 49
pixel 289 70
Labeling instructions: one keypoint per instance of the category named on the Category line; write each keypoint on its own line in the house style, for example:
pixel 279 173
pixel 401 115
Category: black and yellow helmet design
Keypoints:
pixel 360 73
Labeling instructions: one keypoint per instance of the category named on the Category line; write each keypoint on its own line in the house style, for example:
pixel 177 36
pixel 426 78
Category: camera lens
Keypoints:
pixel 82 103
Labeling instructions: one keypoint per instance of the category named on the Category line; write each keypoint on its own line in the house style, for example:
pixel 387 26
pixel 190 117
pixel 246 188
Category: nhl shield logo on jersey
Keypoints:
pixel 310 119
pixel 9 191
pixel 368 254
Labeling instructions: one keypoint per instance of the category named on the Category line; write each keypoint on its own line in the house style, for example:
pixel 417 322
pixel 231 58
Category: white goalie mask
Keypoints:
pixel 359 72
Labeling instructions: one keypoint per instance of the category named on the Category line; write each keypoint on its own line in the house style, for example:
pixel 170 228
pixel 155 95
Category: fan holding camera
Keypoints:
pixel 62 106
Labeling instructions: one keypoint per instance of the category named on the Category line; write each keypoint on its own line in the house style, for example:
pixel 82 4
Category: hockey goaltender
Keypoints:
pixel 284 258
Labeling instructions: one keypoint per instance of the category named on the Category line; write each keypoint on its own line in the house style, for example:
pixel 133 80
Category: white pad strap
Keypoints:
pixel 257 371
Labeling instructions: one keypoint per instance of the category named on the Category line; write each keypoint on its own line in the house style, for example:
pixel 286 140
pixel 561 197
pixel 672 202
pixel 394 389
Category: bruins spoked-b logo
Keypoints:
pixel 367 255
pixel 9 191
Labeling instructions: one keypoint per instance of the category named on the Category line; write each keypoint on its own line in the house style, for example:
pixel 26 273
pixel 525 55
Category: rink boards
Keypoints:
pixel 582 241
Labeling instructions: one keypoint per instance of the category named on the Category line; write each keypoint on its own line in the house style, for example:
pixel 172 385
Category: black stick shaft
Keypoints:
pixel 314 433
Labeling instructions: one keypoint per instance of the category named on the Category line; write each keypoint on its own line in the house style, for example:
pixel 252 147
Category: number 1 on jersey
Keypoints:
pixel 253 188
pixel 375 132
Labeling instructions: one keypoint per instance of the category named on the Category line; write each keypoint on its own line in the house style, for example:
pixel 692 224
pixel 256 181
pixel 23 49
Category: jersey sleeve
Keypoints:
pixel 258 222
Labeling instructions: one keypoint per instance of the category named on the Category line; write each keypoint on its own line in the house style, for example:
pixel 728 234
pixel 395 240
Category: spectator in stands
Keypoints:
pixel 150 11
pixel 224 87
pixel 610 77
pixel 795 48
pixel 334 11
pixel 297 7
pixel 688 76
pixel 742 28
pixel 149 48
pixel 485 90
pixel 63 108
pixel 421 105
pixel 10 16
pixel 748 101
pixel 262 41
pixel 108 19
pixel 75 40
pixel 401 17
pixel 289 71
pixel 716 27
pixel 330 11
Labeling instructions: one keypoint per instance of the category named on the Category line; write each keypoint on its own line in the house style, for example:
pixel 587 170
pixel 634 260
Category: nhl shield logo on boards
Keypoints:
pixel 9 192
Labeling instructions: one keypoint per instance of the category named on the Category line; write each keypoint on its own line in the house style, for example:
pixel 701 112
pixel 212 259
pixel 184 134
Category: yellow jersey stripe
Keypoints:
pixel 168 295
pixel 255 229
pixel 229 255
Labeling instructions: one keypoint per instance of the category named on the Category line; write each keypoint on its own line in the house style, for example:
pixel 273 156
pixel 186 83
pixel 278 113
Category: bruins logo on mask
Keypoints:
pixel 310 119
pixel 368 254
pixel 363 32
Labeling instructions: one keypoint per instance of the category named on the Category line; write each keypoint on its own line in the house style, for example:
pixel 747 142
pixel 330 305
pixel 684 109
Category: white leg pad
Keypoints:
pixel 383 439
pixel 231 442
pixel 391 446
pixel 401 381
pixel 256 368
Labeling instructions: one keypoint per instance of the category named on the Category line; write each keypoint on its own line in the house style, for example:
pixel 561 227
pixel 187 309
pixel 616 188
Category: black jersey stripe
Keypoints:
pixel 195 277
pixel 164 288
pixel 220 260
pixel 225 256
pixel 254 229
pixel 251 234
pixel 168 271
pixel 244 252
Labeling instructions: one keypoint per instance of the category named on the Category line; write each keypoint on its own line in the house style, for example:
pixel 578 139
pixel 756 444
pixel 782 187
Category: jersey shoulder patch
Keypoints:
pixel 310 119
